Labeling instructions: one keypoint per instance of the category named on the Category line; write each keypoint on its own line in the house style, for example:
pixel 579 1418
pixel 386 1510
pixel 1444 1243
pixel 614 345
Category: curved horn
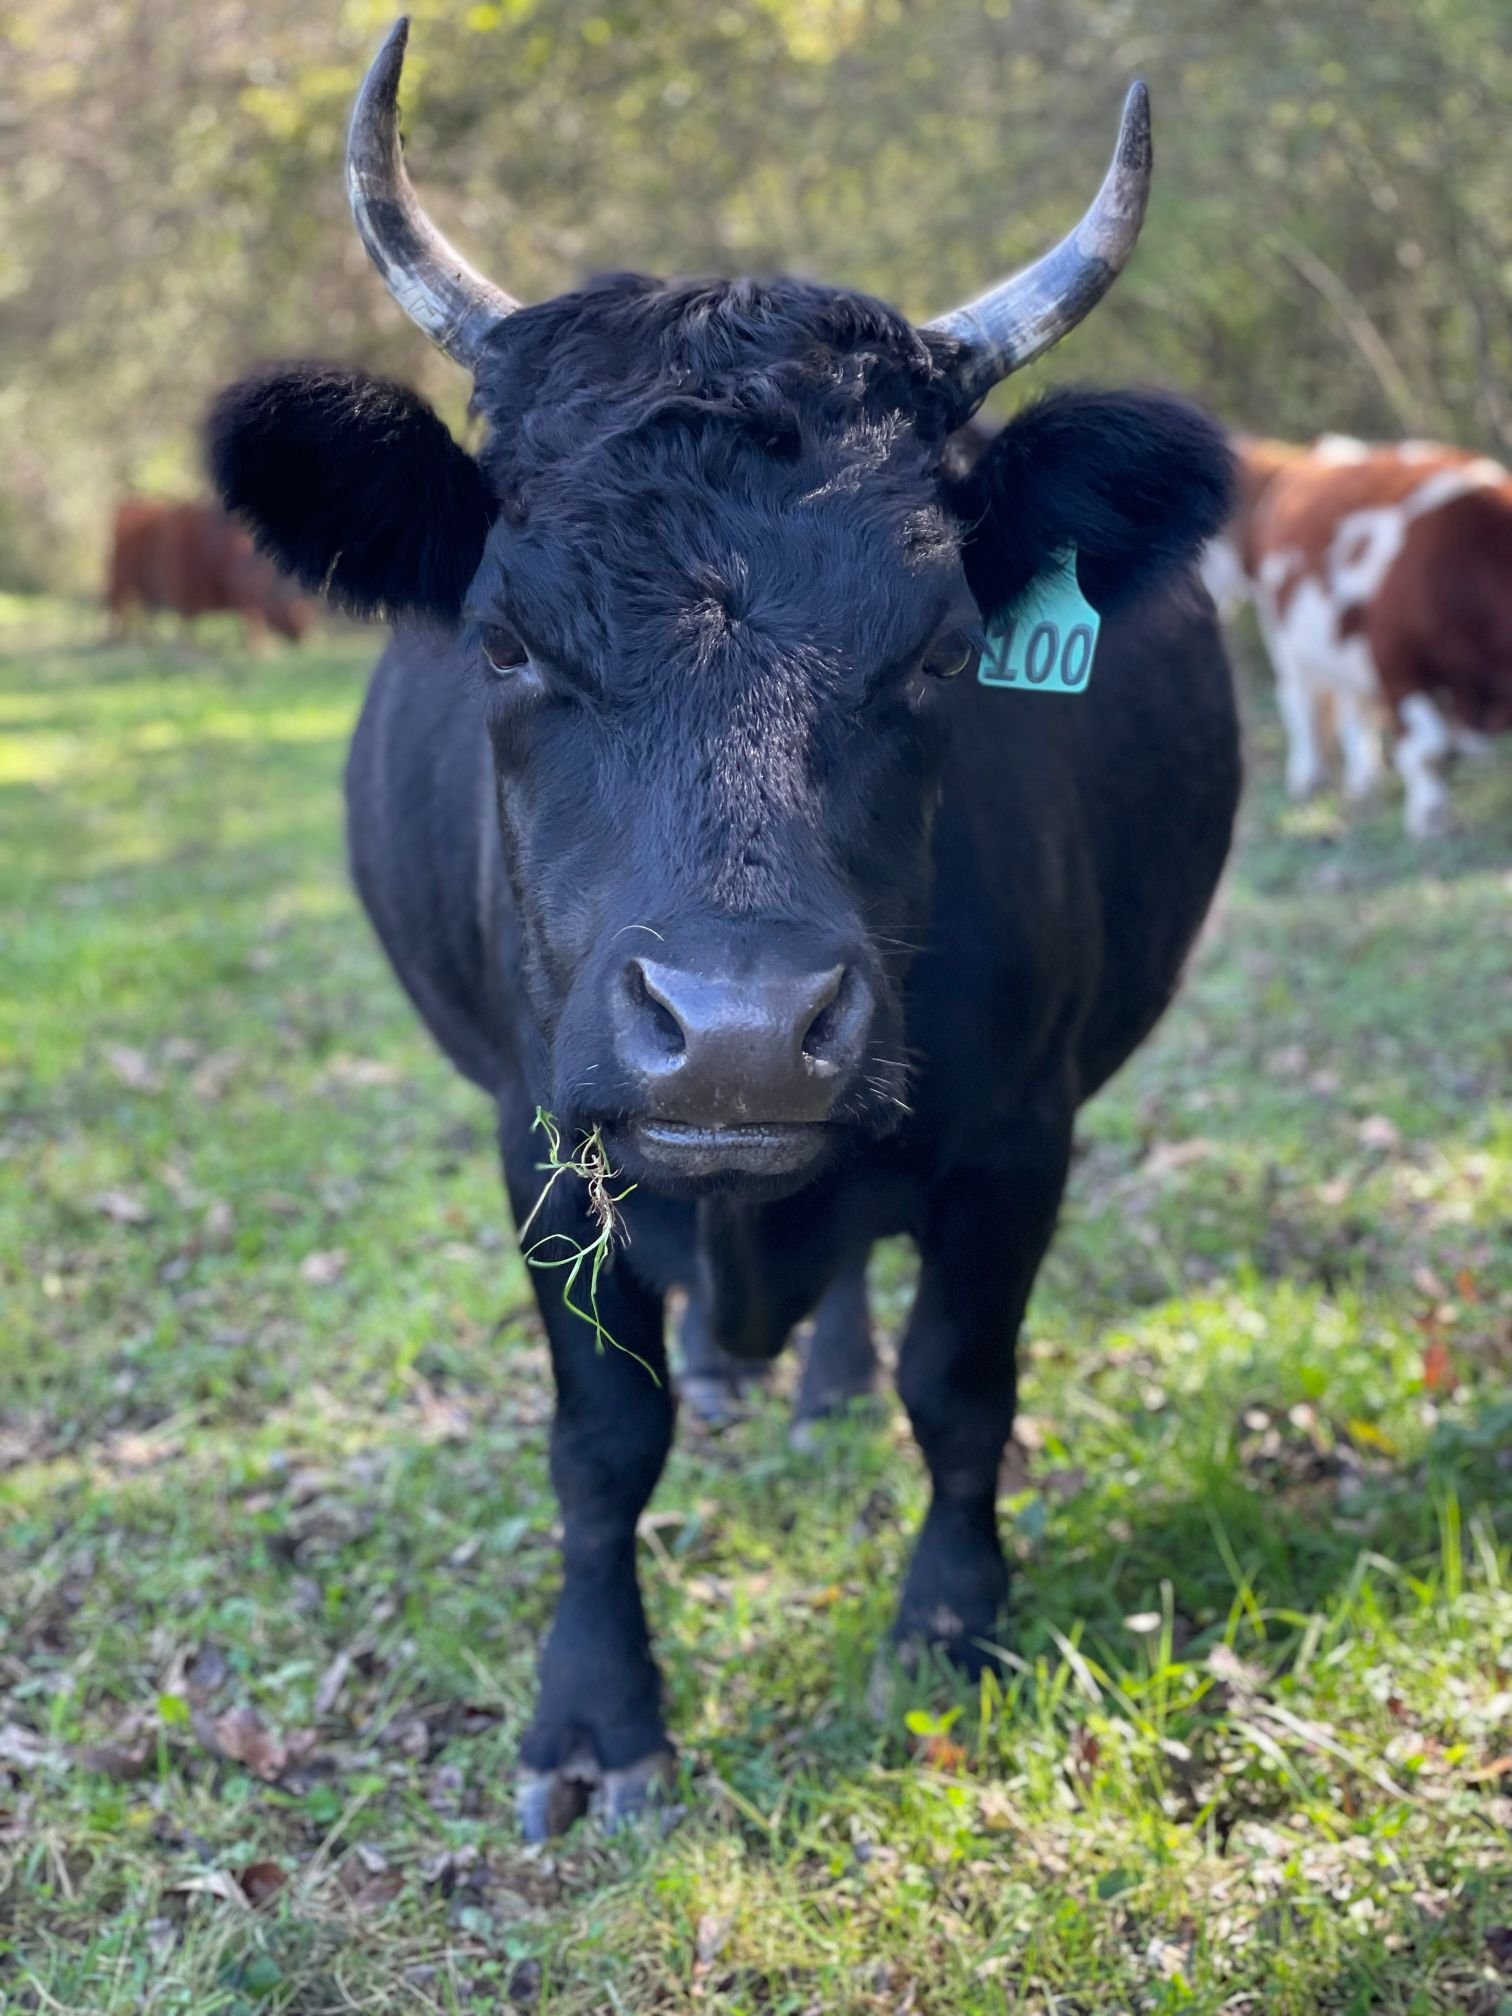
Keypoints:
pixel 1019 319
pixel 434 285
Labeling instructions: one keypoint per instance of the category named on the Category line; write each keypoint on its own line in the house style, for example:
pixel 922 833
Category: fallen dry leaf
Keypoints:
pixel 995 1809
pixel 212 1078
pixel 206 1672
pixel 1439 1375
pixel 451 1869
pixel 129 1451
pixel 321 1270
pixel 524 1987
pixel 218 1227
pixel 940 1753
pixel 368 1889
pixel 1368 1436
pixel 22 1747
pixel 1085 1754
pixel 219 1883
pixel 825 1597
pixel 1168 1156
pixel 133 1068
pixel 332 1681
pixel 1166 1958
pixel 121 1757
pixel 345 1070
pixel 1379 1132
pixel 242 1737
pixel 123 1206
pixel 1237 1674
pixel 712 1937
pixel 261 1882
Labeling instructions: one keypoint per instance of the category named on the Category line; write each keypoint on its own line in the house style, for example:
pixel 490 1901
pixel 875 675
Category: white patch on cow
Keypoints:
pixel 1223 575
pixel 1293 638
pixel 1418 451
pixel 1318 672
pixel 1426 740
pixel 1301 717
pixel 1277 568
pixel 1366 543
pixel 1341 448
pixel 1445 485
pixel 1361 551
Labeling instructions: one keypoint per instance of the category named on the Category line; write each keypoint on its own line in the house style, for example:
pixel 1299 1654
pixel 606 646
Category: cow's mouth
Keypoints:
pixel 765 1148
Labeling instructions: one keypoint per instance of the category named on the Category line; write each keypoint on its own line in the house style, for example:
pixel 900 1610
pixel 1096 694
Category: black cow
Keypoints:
pixel 681 814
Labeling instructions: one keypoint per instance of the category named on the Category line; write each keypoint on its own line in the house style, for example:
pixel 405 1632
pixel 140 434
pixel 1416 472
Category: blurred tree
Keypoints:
pixel 1330 244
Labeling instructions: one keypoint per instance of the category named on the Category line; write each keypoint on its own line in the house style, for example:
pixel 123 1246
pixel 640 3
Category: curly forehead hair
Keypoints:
pixel 779 361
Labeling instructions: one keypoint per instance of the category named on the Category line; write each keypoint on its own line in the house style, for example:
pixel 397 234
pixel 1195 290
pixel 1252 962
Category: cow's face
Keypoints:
pixel 715 584
pixel 714 624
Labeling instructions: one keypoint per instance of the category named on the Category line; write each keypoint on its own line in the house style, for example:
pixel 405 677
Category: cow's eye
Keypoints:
pixel 951 655
pixel 503 653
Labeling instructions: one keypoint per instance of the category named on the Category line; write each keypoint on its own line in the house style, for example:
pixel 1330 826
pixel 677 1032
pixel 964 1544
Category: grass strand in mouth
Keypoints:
pixel 590 1164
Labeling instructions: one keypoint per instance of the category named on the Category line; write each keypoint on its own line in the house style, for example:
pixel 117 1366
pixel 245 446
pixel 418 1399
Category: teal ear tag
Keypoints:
pixel 1044 641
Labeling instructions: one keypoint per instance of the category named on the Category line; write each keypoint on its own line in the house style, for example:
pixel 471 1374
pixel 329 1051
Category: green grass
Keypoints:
pixel 272 1407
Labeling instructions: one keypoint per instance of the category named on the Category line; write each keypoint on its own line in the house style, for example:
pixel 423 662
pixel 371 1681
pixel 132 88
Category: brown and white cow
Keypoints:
pixel 195 560
pixel 1382 580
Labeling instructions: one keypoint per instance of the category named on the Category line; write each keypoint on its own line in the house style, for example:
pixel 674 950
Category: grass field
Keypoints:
pixel 276 1543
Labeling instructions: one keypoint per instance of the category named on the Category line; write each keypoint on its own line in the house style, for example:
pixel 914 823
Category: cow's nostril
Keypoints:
pixel 825 1032
pixel 657 1015
pixel 821 1032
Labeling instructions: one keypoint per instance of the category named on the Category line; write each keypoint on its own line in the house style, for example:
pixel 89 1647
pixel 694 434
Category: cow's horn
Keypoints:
pixel 1021 317
pixel 434 285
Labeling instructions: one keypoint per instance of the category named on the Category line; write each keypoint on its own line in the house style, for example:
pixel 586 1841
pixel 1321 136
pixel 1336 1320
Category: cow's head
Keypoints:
pixel 715 571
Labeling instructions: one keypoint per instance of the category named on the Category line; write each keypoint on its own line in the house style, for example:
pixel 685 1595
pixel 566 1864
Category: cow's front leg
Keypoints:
pixel 1426 743
pixel 986 1232
pixel 597 1733
pixel 1297 697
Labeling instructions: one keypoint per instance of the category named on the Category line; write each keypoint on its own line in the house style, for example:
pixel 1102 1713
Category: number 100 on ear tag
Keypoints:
pixel 1045 640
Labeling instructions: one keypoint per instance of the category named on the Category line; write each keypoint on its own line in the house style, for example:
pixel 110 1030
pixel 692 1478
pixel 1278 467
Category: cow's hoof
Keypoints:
pixel 897 1671
pixel 944 1654
pixel 548 1802
pixel 1302 785
pixel 641 1789
pixel 712 1400
pixel 1433 821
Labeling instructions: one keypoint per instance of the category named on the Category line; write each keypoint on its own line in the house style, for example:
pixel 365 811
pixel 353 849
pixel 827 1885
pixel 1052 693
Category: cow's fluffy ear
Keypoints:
pixel 353 485
pixel 1135 481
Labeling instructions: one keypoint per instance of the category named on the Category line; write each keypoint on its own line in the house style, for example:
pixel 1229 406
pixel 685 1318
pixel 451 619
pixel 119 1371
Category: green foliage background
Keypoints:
pixel 1330 244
